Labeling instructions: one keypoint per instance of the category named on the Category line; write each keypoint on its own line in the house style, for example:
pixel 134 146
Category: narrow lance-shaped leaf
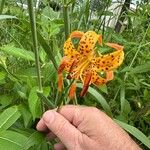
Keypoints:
pixel 138 69
pixel 34 103
pixel 10 140
pixel 35 138
pixel 8 117
pixel 135 132
pixel 18 52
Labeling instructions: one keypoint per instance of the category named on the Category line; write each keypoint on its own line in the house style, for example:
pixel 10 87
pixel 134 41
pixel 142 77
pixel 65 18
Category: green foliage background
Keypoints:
pixel 126 99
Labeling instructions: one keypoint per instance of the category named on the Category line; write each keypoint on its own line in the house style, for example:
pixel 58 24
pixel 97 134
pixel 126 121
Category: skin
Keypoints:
pixel 84 128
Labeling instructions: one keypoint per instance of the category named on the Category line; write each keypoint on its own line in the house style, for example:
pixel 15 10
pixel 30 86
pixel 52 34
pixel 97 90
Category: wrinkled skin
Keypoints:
pixel 84 128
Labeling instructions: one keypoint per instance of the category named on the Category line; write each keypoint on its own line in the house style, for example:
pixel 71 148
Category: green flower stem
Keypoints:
pixel 66 19
pixel 60 96
pixel 35 43
pixel 2 6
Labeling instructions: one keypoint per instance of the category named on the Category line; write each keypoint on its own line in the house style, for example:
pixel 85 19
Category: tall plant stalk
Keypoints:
pixel 66 19
pixel 35 43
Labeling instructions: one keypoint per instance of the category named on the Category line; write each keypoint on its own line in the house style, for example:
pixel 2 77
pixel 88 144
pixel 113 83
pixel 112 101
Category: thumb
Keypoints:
pixel 62 128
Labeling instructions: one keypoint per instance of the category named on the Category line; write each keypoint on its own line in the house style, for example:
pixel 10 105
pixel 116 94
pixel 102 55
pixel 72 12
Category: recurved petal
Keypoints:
pixel 115 46
pixel 109 75
pixel 77 34
pixel 64 65
pixel 72 91
pixel 109 61
pixel 86 83
pixel 100 40
pixel 87 43
pixel 69 49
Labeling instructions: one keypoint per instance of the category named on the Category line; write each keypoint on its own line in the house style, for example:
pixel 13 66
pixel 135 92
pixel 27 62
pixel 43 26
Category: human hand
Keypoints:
pixel 84 128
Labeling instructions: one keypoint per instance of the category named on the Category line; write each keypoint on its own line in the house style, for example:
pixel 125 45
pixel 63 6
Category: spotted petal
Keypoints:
pixel 87 43
pixel 69 49
pixel 109 61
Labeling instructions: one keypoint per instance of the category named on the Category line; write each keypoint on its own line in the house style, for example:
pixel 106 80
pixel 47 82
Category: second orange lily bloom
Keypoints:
pixel 85 65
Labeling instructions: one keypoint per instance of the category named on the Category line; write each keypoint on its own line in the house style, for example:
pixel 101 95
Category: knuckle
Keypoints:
pixel 78 139
pixel 94 110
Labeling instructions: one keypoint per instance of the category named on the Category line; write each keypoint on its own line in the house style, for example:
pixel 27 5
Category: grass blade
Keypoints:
pixel 135 132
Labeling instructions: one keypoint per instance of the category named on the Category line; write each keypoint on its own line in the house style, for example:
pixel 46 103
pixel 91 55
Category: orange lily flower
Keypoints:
pixel 85 65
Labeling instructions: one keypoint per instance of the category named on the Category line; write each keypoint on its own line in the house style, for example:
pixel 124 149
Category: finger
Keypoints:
pixel 73 113
pixel 62 128
pixel 41 126
pixel 59 146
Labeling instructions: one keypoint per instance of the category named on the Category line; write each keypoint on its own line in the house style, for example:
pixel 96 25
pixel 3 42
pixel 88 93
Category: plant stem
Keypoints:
pixel 2 6
pixel 66 19
pixel 35 43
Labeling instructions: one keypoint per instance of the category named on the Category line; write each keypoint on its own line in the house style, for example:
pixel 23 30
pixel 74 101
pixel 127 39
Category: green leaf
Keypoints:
pixel 34 103
pixel 2 17
pixel 49 13
pixel 9 117
pixel 10 140
pixel 46 90
pixel 36 138
pixel 103 88
pixel 146 95
pixel 99 98
pixel 138 69
pixel 2 75
pixel 45 100
pixel 18 52
pixel 135 132
pixel 54 28
pixel 47 49
pixel 27 117
pixel 122 98
pixel 141 69
pixel 148 32
pixel 29 72
pixel 5 100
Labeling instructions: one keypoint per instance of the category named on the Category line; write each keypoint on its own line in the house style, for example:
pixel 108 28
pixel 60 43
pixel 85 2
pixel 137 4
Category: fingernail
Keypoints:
pixel 48 116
